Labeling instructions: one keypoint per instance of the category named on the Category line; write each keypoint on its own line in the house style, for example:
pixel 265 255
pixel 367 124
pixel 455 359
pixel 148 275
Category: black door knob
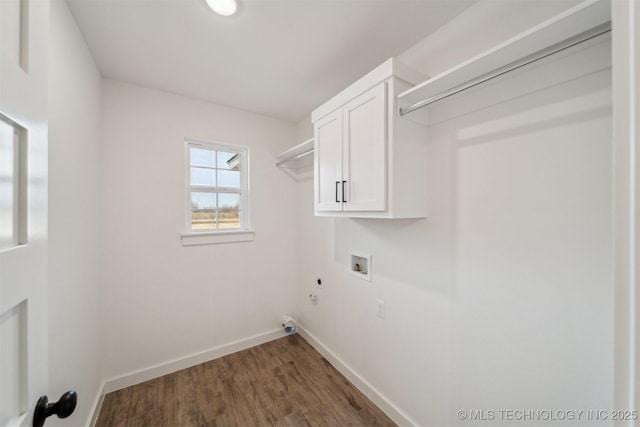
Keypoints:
pixel 62 408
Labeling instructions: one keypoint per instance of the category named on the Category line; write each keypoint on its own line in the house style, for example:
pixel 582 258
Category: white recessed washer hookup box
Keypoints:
pixel 360 265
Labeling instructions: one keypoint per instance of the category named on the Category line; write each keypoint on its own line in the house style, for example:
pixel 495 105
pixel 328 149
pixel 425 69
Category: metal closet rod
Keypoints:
pixel 536 56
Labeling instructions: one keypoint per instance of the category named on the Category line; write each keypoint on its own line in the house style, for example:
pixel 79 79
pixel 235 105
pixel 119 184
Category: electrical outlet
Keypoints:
pixel 380 308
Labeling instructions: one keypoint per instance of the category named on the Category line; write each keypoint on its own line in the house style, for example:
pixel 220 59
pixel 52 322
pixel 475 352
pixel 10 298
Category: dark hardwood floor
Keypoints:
pixel 281 383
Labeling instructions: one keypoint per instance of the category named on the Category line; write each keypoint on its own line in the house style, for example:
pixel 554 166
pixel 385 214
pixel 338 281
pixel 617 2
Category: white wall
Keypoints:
pixel 502 298
pixel 478 28
pixel 164 301
pixel 75 327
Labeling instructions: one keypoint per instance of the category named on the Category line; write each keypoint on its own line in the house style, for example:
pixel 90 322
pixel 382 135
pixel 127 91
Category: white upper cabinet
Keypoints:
pixel 369 162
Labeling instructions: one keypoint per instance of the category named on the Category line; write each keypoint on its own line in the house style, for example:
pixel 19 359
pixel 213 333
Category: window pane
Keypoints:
pixel 200 157
pixel 228 160
pixel 229 210
pixel 205 177
pixel 228 179
pixel 7 183
pixel 203 210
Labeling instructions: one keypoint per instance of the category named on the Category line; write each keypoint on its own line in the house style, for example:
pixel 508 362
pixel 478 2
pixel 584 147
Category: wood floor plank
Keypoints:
pixel 294 419
pixel 171 399
pixel 281 383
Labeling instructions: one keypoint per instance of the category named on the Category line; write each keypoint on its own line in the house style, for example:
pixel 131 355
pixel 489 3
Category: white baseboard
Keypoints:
pixel 95 408
pixel 376 397
pixel 156 371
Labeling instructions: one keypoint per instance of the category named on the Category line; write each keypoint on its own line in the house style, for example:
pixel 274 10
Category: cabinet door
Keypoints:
pixel 328 163
pixel 365 151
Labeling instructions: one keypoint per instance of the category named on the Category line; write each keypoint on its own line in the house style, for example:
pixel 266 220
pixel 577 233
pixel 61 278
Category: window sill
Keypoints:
pixel 216 237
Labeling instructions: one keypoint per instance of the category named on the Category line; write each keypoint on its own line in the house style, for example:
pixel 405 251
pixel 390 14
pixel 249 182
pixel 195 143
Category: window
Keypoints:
pixel 217 189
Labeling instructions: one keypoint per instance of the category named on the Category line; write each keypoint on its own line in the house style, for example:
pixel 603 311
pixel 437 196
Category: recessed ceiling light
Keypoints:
pixel 223 7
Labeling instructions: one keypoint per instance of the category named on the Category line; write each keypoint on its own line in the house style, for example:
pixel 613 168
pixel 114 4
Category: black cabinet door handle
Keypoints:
pixel 343 199
pixel 337 183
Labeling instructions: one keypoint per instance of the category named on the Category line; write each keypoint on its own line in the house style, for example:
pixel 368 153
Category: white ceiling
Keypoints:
pixel 282 58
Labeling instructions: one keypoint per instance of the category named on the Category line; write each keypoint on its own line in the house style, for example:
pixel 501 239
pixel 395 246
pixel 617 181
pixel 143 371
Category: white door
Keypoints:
pixel 328 184
pixel 23 208
pixel 364 151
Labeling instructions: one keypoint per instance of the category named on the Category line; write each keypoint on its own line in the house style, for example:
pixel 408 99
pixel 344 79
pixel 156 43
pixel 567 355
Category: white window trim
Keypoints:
pixel 216 237
pixel 208 236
